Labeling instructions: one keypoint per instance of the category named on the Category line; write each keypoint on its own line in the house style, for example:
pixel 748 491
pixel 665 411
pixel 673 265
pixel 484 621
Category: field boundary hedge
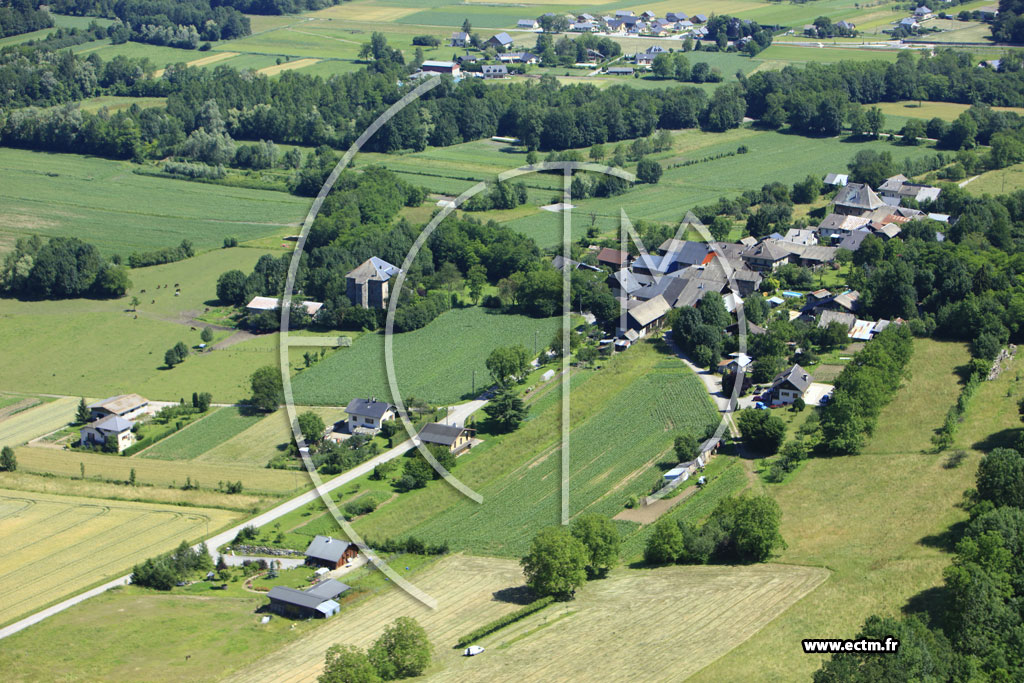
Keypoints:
pixel 504 621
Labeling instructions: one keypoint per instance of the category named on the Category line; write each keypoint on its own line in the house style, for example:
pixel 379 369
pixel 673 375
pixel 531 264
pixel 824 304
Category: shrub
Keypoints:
pixel 363 505
pixel 502 622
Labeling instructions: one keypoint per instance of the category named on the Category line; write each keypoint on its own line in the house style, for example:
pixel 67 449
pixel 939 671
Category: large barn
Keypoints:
pixel 315 602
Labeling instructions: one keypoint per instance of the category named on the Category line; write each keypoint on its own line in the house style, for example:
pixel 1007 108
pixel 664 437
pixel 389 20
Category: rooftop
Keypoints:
pixel 369 407
pixel 326 548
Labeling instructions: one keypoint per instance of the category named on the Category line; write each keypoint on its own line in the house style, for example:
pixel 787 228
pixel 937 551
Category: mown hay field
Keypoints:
pixel 29 424
pixel 55 545
pixel 712 610
pixel 158 472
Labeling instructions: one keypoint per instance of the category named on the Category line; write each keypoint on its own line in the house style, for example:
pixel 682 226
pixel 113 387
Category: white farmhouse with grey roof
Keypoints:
pixel 113 430
pixel 790 385
pixel 367 414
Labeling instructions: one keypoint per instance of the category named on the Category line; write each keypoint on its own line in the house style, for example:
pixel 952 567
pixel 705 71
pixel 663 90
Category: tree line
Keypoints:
pixel 178 23
pixel 301 109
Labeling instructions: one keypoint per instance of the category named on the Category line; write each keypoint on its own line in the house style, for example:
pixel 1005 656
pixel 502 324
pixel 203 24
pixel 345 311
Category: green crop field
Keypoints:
pixel 129 352
pixel 199 437
pixel 435 363
pixel 55 545
pixel 261 441
pixel 97 201
pixel 613 454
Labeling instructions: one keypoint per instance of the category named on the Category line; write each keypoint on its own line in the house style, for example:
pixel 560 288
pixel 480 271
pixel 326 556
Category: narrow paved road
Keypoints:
pixel 458 414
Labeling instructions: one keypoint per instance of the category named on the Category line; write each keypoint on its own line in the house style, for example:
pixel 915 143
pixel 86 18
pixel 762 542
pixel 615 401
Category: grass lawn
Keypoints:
pixel 992 419
pixel 118 103
pixel 96 200
pixel 873 519
pixel 771 156
pixel 795 54
pixel 148 636
pixel 56 545
pixel 1002 181
pixel 435 363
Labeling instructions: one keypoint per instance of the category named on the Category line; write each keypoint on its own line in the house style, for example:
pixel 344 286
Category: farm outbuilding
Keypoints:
pixel 127 406
pixel 455 439
pixel 332 553
pixel 316 602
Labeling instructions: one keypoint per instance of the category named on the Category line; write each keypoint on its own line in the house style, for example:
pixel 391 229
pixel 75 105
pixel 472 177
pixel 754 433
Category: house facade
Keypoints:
pixel 455 439
pixel 108 430
pixel 367 285
pixel 368 414
pixel 324 551
pixel 790 385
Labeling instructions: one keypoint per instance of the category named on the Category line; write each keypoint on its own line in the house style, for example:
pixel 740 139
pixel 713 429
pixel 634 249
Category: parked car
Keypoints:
pixel 472 651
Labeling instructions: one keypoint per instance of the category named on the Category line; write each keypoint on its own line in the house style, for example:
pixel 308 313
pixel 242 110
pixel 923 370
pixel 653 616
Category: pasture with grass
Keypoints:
pixel 98 201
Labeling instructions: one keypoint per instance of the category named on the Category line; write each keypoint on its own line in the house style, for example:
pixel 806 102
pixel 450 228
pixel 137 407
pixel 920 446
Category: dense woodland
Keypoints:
pixel 22 16
pixel 359 219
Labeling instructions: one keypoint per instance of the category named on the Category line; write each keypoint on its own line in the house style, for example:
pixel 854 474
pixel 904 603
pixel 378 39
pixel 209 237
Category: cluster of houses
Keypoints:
pixel 113 420
pixel 647 23
pixel 682 272
pixel 913 22
pixel 368 415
